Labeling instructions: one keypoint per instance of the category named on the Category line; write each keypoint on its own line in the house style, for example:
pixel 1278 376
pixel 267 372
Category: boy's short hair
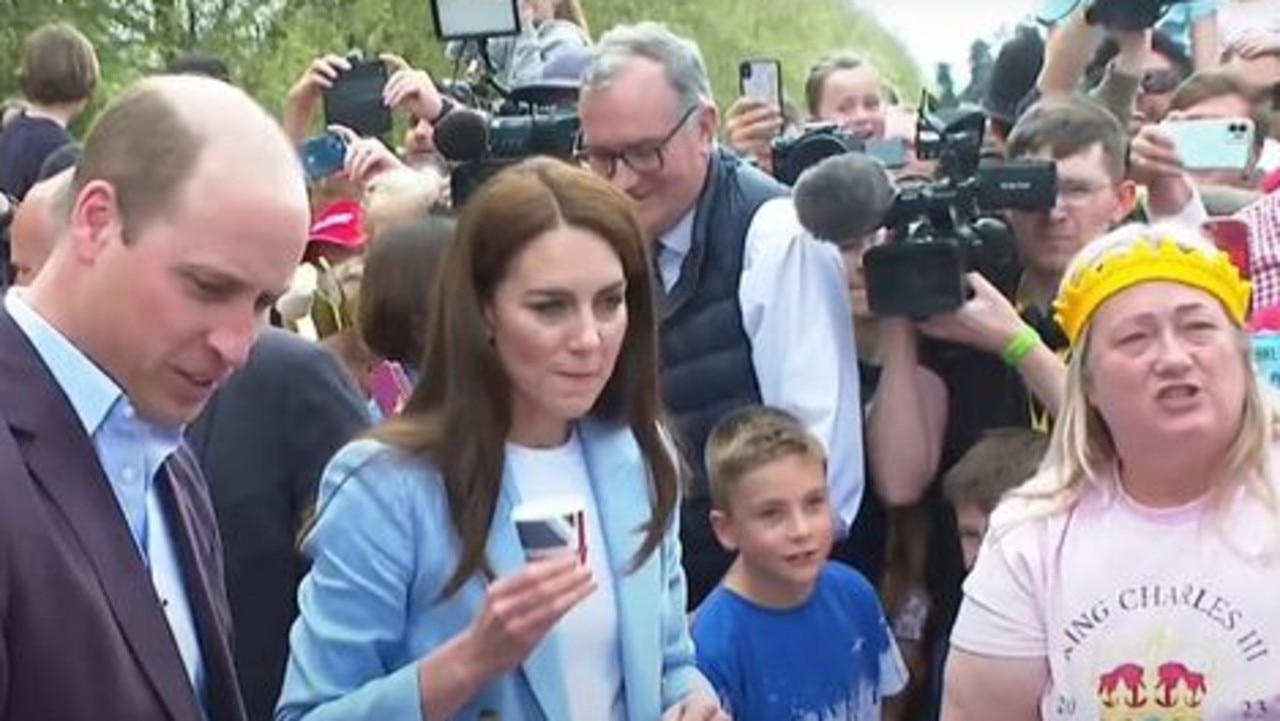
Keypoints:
pixel 749 438
pixel 1000 461
pixel 1067 125
pixel 58 66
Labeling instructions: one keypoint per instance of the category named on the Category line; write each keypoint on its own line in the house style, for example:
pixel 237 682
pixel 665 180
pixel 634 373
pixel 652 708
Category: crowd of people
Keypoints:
pixel 297 442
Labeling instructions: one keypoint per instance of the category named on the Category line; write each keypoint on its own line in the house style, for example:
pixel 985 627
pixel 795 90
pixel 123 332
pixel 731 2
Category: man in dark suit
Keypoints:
pixel 188 215
pixel 263 441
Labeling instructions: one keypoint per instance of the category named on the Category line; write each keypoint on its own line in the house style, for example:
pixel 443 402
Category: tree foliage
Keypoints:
pixel 268 43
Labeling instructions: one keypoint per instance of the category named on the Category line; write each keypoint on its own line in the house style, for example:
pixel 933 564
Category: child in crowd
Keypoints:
pixel 787 634
pixel 58 76
pixel 996 464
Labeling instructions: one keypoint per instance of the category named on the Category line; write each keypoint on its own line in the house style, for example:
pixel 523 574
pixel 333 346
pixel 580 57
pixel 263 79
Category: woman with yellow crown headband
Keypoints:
pixel 1136 575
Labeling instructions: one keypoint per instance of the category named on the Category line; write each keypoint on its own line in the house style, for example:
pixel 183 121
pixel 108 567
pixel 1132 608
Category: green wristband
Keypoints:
pixel 1020 345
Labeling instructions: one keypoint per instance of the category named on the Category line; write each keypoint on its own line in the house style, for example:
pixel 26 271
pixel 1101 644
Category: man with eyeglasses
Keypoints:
pixel 754 309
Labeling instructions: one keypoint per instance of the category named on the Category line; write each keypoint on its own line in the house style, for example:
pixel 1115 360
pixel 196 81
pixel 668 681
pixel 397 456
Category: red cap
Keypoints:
pixel 342 224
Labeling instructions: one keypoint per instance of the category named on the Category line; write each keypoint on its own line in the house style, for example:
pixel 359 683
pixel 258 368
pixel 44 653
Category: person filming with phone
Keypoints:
pixel 427 597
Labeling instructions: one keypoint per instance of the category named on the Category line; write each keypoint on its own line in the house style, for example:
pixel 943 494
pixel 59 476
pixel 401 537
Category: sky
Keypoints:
pixel 937 31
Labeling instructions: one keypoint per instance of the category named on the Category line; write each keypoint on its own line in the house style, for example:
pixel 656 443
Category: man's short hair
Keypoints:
pixel 58 66
pixel 680 58
pixel 194 62
pixel 1067 125
pixel 816 81
pixel 1215 83
pixel 999 462
pixel 144 147
pixel 749 438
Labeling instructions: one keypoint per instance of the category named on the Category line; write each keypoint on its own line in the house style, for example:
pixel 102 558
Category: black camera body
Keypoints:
pixel 795 154
pixel 942 229
pixel 1128 15
pixel 517 132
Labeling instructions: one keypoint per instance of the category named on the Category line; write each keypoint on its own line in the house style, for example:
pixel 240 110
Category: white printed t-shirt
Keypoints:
pixel 1142 613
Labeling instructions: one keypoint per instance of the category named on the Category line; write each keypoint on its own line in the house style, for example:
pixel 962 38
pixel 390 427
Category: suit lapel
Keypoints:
pixel 221 686
pixel 543 669
pixel 63 461
pixel 618 482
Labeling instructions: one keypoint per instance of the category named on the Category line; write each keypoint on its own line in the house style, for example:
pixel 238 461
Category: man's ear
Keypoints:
pixel 722 525
pixel 708 122
pixel 1127 197
pixel 94 222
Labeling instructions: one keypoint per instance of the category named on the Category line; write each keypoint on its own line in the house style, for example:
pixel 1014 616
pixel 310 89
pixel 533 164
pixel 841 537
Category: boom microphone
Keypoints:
pixel 844 197
pixel 462 136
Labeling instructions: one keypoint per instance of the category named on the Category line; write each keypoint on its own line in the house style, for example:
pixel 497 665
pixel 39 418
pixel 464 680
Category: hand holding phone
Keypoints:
pixel 1212 143
pixel 355 99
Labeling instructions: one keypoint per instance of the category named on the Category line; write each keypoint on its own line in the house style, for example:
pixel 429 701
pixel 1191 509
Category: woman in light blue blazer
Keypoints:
pixel 541 386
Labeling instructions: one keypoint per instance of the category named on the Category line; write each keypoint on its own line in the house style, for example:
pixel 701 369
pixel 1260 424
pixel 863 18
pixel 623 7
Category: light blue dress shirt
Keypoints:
pixel 131 451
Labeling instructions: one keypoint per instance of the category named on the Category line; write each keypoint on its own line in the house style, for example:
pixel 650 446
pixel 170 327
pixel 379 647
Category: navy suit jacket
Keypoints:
pixel 82 633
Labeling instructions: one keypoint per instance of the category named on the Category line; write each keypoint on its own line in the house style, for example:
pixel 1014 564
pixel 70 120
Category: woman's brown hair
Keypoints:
pixel 458 418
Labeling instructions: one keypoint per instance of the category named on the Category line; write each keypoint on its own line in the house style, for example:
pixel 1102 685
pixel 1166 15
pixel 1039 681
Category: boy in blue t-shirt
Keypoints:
pixel 787 635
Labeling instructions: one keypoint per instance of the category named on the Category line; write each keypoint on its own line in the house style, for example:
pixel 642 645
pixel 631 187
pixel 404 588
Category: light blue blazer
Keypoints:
pixel 383 549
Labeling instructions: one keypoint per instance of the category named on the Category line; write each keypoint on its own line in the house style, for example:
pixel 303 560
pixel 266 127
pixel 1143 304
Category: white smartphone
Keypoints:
pixel 761 80
pixel 1212 143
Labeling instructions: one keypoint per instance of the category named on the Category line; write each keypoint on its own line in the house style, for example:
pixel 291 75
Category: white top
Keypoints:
pixel 796 314
pixel 589 632
pixel 1141 612
pixel 1237 20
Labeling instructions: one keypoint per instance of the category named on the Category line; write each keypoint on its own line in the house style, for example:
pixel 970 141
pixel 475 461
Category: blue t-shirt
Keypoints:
pixel 832 658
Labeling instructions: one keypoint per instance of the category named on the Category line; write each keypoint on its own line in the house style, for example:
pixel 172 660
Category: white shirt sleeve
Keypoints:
pixel 1003 612
pixel 796 313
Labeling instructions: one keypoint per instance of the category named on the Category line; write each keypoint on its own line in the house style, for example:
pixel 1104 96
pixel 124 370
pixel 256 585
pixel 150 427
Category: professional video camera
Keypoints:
pixel 539 119
pixel 942 229
pixel 795 154
pixel 1115 14
pixel 483 146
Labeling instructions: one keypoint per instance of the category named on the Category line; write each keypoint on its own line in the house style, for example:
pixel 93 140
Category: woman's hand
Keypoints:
pixel 521 608
pixel 696 707
pixel 366 158
pixel 414 92
pixel 304 97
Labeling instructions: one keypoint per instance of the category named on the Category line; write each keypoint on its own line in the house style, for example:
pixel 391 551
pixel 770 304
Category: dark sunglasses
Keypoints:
pixel 1159 82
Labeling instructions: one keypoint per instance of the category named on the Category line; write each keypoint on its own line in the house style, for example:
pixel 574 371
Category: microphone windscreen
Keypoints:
pixel 462 136
pixel 844 197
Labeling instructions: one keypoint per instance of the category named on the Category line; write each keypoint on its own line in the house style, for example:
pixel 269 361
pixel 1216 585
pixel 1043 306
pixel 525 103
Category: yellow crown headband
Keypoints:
pixel 1142 262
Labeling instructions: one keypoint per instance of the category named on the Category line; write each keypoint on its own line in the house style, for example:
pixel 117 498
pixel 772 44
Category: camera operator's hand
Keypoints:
pixel 366 158
pixel 414 92
pixel 750 125
pixel 986 321
pixel 303 98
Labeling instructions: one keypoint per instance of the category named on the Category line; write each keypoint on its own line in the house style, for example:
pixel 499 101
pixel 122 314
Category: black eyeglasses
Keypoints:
pixel 644 159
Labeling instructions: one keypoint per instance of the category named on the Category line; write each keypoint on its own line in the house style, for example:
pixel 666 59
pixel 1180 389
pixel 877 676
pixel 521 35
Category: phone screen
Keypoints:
pixel 355 100
pixel 761 80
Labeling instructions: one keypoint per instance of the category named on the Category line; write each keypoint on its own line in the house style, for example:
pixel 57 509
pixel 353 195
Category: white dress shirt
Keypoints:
pixel 796 314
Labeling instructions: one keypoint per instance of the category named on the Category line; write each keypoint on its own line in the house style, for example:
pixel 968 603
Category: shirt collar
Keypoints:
pixel 680 238
pixel 91 392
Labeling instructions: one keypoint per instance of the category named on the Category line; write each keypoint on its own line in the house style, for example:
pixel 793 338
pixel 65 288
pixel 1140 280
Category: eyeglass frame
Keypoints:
pixel 583 154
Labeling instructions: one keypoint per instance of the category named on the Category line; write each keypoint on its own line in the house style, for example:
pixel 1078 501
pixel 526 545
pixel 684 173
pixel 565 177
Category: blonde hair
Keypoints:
pixel 749 438
pixel 1082 452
